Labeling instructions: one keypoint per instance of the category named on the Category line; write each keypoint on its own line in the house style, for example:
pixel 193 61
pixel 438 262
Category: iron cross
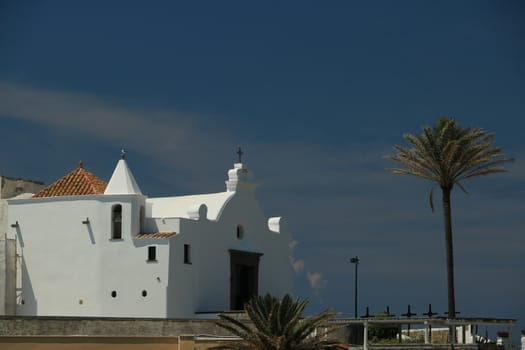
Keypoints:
pixel 240 153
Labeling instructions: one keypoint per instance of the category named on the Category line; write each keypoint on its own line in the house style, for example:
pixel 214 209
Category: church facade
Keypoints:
pixel 87 248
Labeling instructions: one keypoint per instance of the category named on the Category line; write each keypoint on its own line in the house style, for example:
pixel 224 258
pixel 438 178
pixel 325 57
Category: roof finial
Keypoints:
pixel 80 164
pixel 122 154
pixel 240 153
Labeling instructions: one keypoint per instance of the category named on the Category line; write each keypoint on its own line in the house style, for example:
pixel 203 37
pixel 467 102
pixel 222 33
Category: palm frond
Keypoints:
pixel 276 324
pixel 431 199
pixel 461 187
pixel 447 154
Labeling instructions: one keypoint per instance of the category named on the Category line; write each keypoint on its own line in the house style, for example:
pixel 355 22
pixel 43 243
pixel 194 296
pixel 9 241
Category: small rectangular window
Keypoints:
pixel 152 253
pixel 187 254
pixel 116 222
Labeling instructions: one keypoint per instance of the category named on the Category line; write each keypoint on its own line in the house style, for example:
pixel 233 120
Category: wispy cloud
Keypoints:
pixel 166 134
pixel 87 114
pixel 316 280
pixel 297 265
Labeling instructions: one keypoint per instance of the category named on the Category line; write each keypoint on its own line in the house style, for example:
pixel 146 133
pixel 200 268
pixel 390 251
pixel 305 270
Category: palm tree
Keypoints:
pixel 448 154
pixel 276 324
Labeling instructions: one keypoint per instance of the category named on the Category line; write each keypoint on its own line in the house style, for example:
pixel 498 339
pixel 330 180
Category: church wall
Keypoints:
pixel 71 268
pixel 274 266
pixel 206 286
pixel 183 277
pixel 59 256
pixel 125 268
pixel 210 261
pixel 203 286
pixel 72 265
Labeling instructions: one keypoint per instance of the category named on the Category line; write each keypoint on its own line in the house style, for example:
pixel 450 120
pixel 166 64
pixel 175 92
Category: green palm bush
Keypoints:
pixel 274 323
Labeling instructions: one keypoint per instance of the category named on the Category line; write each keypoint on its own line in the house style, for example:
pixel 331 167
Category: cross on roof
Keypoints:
pixel 240 153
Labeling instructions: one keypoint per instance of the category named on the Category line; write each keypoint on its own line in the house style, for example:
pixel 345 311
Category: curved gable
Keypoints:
pixel 179 207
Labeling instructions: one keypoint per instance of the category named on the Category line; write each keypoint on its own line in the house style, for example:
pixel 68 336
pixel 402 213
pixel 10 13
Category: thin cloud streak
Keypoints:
pixel 165 134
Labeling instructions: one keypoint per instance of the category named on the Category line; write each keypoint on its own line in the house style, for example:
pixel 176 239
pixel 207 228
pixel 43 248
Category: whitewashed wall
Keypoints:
pixel 70 269
pixel 204 285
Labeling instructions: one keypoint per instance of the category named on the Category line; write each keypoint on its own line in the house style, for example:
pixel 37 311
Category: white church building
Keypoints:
pixel 87 248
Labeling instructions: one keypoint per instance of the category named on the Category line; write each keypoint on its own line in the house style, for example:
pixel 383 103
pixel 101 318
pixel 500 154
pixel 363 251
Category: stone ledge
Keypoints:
pixel 100 326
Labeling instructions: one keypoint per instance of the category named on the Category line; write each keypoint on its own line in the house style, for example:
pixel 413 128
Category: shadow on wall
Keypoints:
pixel 19 234
pixel 87 223
pixel 25 296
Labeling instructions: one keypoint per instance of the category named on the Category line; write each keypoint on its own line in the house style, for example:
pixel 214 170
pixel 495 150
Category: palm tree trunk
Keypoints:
pixel 447 213
pixel 449 251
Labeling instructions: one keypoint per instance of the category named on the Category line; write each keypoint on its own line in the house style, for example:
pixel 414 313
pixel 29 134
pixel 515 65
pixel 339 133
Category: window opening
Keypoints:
pixel 116 222
pixel 144 293
pixel 152 253
pixel 240 232
pixel 187 254
pixel 114 294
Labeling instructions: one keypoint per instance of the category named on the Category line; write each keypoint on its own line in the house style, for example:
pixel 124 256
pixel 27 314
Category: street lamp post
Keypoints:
pixel 355 260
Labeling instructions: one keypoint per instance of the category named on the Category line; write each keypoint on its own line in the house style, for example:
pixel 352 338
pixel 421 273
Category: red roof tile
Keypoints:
pixel 77 183
pixel 157 235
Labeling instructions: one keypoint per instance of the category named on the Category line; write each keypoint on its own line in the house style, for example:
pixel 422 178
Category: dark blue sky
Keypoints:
pixel 317 93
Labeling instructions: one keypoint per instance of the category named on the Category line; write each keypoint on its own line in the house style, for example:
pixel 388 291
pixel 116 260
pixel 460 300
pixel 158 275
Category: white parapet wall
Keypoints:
pixel 7 276
pixel 2 274
pixel 11 188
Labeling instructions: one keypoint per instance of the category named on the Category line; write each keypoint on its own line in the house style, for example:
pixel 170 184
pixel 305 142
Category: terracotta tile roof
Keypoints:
pixel 77 183
pixel 156 235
